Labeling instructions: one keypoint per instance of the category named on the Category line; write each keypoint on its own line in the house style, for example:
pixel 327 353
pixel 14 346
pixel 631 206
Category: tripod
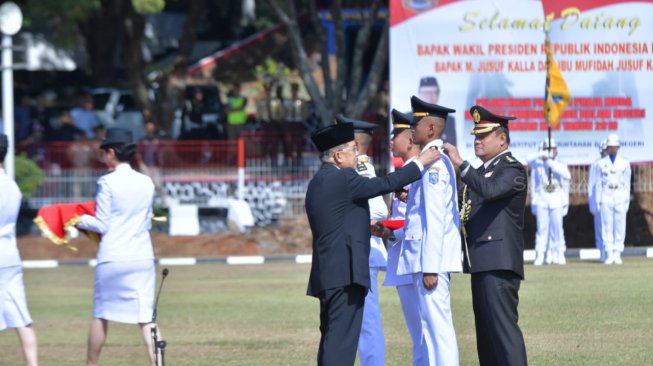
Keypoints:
pixel 159 345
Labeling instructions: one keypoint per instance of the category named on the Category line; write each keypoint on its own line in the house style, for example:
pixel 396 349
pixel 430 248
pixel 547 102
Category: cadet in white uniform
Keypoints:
pixel 402 146
pixel 124 276
pixel 594 199
pixel 614 200
pixel 371 344
pixel 549 203
pixel 431 248
pixel 13 304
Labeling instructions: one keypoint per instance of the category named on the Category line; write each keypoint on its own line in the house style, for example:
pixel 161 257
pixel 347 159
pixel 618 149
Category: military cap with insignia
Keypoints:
pixel 400 122
pixel 423 109
pixel 359 126
pixel 331 136
pixel 486 121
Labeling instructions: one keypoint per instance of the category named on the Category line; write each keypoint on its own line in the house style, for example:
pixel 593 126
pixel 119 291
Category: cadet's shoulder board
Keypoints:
pixel 510 159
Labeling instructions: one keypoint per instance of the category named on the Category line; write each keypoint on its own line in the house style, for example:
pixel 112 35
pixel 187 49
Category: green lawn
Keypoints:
pixel 579 314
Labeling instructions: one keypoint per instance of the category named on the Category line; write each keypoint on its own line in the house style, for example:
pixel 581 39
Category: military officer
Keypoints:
pixel 430 250
pixel 13 304
pixel 549 203
pixel 371 344
pixel 402 146
pixel 338 214
pixel 594 199
pixel 614 189
pixel 494 198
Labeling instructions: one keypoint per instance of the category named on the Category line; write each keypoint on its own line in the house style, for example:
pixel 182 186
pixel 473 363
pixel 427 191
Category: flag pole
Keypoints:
pixel 547 106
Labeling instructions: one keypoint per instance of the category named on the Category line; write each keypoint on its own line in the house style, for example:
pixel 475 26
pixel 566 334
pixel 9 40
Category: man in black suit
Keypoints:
pixel 493 215
pixel 338 213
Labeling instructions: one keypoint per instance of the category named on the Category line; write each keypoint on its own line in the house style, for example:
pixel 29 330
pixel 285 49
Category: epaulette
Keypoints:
pixel 510 159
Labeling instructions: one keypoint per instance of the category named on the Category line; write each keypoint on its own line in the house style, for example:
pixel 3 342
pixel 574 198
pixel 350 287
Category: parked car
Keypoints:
pixel 117 108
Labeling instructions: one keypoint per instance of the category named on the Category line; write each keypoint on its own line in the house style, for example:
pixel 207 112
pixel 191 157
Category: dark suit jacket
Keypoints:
pixel 496 223
pixel 339 216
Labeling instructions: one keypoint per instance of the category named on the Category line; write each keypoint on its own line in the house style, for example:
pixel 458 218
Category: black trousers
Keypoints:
pixel 341 318
pixel 499 341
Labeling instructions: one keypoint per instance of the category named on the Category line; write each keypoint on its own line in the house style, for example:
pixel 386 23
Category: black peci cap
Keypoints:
pixel 359 126
pixel 428 81
pixel 331 136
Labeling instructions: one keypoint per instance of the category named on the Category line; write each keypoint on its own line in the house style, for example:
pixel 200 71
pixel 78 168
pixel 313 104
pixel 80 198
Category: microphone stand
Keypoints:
pixel 159 345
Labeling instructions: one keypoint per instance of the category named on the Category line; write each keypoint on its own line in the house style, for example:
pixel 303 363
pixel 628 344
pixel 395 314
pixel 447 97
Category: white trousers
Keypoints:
pixel 371 343
pixel 410 307
pixel 598 240
pixel 613 225
pixel 550 233
pixel 437 322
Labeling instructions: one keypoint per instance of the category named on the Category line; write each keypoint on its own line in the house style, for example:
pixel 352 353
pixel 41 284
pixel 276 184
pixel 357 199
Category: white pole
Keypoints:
pixel 8 101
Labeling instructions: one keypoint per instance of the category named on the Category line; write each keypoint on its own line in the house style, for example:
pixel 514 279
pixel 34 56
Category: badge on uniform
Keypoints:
pixel 361 167
pixel 434 176
pixel 488 174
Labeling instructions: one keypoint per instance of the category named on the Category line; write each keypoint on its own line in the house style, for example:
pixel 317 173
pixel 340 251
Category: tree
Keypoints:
pixel 338 95
pixel 114 29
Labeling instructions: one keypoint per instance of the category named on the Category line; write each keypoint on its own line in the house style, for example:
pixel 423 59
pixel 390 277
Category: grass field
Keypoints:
pixel 579 314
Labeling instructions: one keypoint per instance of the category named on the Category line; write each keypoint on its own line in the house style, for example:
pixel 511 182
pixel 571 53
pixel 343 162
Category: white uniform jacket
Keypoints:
pixel 122 216
pixel 614 180
pixel 560 178
pixel 398 212
pixel 378 211
pixel 593 187
pixel 10 198
pixel 432 232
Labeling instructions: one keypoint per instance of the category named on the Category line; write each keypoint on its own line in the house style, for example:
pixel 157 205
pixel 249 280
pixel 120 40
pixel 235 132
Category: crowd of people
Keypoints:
pixel 446 216
pixel 454 217
pixel 427 250
pixel 608 188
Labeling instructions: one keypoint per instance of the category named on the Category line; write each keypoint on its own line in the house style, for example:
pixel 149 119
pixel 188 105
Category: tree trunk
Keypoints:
pixel 172 85
pixel 338 95
pixel 133 25
pixel 101 40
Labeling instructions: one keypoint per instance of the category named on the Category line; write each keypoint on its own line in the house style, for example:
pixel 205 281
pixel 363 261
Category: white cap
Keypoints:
pixel 604 145
pixel 612 140
pixel 545 143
